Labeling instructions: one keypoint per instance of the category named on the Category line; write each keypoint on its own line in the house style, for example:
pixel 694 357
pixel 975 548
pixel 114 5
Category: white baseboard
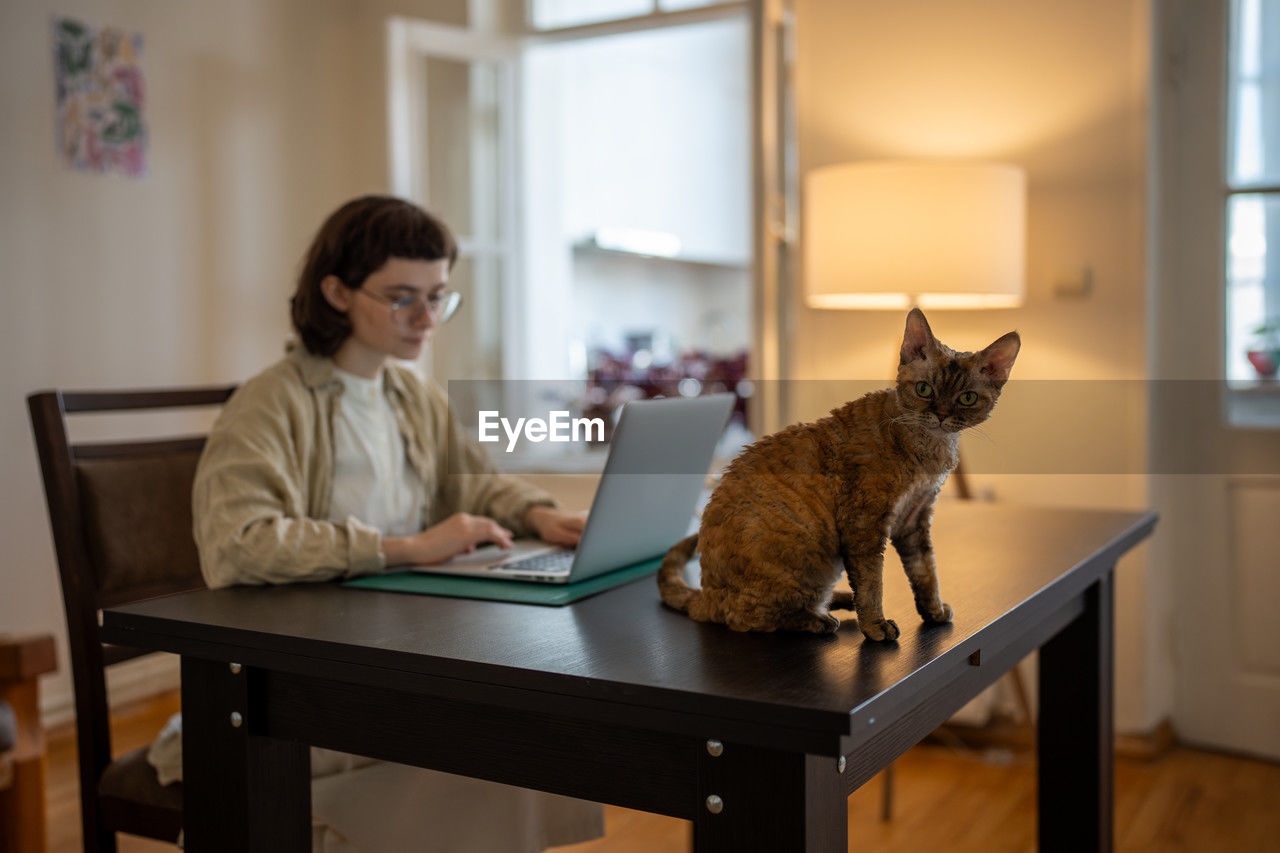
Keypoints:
pixel 127 682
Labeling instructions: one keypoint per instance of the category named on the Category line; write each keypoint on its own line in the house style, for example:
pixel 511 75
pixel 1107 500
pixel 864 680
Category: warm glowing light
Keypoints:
pixel 885 235
pixel 899 301
pixel 859 300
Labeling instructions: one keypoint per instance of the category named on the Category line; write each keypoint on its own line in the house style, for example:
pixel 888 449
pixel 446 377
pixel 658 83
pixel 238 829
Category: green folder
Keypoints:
pixel 524 592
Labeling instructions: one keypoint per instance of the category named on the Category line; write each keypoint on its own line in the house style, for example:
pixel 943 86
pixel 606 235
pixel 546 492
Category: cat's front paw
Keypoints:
pixel 934 614
pixel 939 615
pixel 882 630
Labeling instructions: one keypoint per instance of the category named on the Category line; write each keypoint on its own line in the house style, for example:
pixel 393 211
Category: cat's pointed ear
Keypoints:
pixel 997 359
pixel 917 338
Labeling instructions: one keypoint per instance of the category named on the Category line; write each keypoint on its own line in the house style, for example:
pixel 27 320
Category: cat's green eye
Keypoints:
pixel 924 389
pixel 968 398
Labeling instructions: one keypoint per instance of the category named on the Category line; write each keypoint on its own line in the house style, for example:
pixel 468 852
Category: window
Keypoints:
pixel 1253 191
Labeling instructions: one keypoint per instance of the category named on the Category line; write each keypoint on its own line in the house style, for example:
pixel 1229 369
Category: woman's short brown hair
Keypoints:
pixel 354 242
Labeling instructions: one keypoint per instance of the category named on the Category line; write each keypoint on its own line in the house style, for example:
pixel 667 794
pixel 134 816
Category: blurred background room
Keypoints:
pixel 635 186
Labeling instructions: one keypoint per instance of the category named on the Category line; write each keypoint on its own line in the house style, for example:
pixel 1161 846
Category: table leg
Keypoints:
pixel 767 800
pixel 241 791
pixel 1076 735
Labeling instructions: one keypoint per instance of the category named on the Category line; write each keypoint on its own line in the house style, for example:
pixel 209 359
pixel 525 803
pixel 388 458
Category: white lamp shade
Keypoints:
pixel 892 234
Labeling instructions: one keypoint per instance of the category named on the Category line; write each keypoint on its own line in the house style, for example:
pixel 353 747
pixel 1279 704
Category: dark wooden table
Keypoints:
pixel 756 738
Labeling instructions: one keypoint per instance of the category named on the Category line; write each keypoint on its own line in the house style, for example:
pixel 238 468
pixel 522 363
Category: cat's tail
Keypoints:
pixel 675 592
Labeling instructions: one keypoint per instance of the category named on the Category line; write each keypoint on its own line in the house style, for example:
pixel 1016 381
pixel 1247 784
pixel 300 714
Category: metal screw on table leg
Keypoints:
pixel 235 669
pixel 715 805
pixel 715 748
pixel 236 719
pixel 840 764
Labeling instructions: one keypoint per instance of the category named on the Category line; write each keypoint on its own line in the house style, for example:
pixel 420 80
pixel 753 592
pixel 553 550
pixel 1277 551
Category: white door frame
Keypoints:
pixel 773 175
pixel 1227 681
pixel 410 43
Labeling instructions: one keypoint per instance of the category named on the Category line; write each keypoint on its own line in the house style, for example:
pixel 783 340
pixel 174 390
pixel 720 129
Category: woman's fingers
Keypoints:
pixel 576 522
pixel 462 532
pixel 566 532
pixel 490 530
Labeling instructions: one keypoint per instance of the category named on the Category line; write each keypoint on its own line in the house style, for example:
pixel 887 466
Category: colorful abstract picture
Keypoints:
pixel 100 98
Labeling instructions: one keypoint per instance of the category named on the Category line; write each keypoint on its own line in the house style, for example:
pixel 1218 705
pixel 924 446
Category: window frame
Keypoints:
pixel 1250 403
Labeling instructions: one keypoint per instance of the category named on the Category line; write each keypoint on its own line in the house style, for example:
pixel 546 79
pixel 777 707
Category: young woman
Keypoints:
pixel 337 462
pixel 334 462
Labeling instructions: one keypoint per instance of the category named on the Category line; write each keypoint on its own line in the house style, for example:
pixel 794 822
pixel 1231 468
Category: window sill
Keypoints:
pixel 1253 403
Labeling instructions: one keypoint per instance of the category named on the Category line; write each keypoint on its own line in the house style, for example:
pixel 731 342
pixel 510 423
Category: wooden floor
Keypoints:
pixel 955 799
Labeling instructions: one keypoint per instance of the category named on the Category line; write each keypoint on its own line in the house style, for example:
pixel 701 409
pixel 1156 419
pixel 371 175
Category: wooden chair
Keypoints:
pixel 121 519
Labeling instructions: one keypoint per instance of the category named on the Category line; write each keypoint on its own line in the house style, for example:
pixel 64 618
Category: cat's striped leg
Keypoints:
pixel 915 547
pixel 865 569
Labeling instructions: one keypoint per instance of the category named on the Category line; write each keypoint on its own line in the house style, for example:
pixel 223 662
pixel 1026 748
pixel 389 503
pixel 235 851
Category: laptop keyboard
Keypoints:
pixel 554 561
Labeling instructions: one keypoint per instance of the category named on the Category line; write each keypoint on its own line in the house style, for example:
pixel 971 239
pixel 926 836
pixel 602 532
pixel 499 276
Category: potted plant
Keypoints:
pixel 1264 352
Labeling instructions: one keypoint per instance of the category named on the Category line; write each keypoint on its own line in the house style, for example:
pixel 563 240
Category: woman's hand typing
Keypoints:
pixel 556 526
pixel 460 533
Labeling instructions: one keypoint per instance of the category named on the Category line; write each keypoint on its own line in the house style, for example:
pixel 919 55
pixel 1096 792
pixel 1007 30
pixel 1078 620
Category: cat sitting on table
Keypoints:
pixel 841 487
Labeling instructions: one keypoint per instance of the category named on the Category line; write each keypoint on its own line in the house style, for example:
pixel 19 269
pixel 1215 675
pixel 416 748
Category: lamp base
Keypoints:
pixel 962 482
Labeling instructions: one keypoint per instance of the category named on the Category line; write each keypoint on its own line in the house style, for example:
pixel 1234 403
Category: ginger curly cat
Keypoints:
pixel 794 501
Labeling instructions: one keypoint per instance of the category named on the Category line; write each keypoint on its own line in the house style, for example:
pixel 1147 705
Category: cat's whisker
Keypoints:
pixel 977 430
pixel 905 419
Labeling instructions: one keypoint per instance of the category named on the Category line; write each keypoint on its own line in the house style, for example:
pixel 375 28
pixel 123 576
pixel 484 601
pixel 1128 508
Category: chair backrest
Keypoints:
pixel 121 519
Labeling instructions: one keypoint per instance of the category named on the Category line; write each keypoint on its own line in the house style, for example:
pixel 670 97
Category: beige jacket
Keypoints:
pixel 266 477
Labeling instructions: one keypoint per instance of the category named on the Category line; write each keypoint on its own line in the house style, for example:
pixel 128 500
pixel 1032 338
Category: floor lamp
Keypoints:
pixel 890 235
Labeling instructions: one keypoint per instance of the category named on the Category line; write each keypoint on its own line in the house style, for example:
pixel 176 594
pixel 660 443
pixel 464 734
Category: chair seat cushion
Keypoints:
pixel 130 777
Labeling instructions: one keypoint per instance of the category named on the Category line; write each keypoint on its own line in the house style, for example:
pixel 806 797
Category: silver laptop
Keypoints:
pixel 645 502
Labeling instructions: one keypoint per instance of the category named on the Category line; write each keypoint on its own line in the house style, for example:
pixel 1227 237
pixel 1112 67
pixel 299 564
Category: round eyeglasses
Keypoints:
pixel 409 310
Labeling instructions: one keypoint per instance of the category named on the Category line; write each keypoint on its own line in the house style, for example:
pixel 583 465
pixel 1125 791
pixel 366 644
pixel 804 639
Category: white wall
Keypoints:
pixel 1059 89
pixel 262 115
